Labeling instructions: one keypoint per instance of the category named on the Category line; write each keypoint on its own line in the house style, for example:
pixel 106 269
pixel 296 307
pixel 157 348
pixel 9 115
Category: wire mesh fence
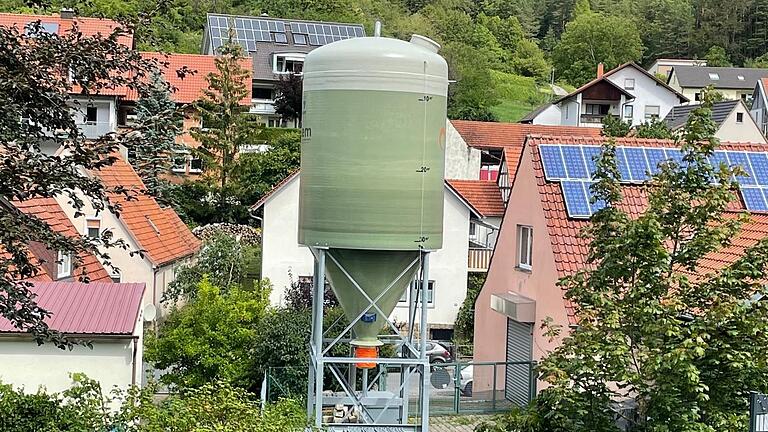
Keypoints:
pixel 456 388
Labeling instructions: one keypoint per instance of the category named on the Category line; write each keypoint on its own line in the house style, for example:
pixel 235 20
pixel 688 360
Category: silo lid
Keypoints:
pixel 425 42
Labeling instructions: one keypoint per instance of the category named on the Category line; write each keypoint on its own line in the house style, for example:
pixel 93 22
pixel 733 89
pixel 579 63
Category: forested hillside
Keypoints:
pixel 528 38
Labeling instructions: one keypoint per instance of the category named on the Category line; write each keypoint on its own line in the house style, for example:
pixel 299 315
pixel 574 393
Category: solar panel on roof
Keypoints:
pixel 676 155
pixel 655 158
pixel 321 34
pixel 552 161
pixel 591 153
pixel 754 199
pixel 759 163
pixel 576 200
pixel 280 37
pixel 638 166
pixel 621 162
pixel 573 159
pixel 740 159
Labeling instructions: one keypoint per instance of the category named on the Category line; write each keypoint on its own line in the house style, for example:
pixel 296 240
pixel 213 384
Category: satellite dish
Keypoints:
pixel 150 312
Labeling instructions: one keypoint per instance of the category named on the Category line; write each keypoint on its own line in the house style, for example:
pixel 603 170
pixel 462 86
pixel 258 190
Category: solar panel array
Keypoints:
pixel 573 166
pixel 248 31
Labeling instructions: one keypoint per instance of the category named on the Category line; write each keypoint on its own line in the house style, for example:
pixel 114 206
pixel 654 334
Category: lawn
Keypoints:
pixel 519 95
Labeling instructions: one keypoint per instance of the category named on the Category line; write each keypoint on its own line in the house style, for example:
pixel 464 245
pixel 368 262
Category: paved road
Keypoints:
pixel 466 423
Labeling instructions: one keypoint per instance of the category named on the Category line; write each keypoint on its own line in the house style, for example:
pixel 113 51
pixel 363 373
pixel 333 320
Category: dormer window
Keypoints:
pixel 288 63
pixel 279 37
pixel 63 265
pixel 299 39
pixel 714 76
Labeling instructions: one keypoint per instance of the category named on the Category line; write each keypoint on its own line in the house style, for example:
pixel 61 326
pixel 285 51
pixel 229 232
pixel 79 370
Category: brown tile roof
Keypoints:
pixel 95 308
pixel 87 26
pixel 570 249
pixel 49 211
pixel 191 87
pixel 158 231
pixel 483 195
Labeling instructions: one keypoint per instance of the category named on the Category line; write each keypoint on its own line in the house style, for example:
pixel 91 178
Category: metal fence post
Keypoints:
pixel 456 387
pixel 493 393
pixel 752 411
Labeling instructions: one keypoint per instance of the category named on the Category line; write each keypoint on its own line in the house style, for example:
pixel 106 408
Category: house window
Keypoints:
pixel 629 83
pixel 651 112
pixel 740 77
pixel 91 114
pixel 289 63
pixel 179 162
pixel 279 38
pixel 714 76
pixel 597 109
pixel 93 227
pixel 116 276
pixel 524 246
pixel 628 111
pixel 697 97
pixel 262 93
pixel 63 265
pixel 430 294
pixel 739 117
pixel 567 111
pixel 472 229
pixel 299 39
pixel 195 165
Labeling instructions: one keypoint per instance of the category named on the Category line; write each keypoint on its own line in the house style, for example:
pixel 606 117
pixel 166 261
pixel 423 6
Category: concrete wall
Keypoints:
pixel 283 256
pixel 550 116
pixel 746 131
pixel 539 283
pixel 647 92
pixel 461 161
pixel 29 366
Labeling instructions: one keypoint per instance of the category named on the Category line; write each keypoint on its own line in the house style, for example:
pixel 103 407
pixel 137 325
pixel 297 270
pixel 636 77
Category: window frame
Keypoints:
pixel 648 116
pixel 528 265
pixel 116 274
pixel 63 265
pixel 627 85
pixel 87 228
pixel 87 116
pixel 631 111
pixel 739 118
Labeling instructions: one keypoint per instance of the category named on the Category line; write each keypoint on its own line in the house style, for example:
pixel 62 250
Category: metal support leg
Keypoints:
pixel 317 306
pixel 423 344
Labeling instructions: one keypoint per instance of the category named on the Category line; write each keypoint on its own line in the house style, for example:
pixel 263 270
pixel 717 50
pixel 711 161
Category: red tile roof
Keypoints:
pixel 158 231
pixel 511 135
pixel 570 249
pixel 483 195
pixel 86 26
pixel 92 309
pixel 191 87
pixel 49 211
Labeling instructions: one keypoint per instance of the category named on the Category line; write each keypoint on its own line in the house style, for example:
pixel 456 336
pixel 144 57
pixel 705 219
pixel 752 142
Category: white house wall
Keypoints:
pixel 569 112
pixel 647 92
pixel 283 256
pixel 462 162
pixel 746 131
pixel 550 116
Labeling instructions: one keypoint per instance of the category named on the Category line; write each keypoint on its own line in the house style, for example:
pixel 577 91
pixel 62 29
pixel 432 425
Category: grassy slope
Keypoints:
pixel 518 95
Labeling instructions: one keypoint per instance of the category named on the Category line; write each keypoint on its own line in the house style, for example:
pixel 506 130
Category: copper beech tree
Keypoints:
pixel 40 73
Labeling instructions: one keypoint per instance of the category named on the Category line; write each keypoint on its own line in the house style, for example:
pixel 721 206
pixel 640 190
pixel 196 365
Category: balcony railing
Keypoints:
pixel 592 118
pixel 479 259
pixel 262 106
pixel 95 129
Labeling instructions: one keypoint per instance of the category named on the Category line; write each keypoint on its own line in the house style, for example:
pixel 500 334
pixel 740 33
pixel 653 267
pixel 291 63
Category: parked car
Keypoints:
pixel 436 352
pixel 466 381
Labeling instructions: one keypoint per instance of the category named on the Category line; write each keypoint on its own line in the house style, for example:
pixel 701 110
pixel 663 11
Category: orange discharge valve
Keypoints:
pixel 364 352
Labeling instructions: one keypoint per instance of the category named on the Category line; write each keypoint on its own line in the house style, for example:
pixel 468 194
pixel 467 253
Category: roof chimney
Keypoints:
pixel 600 70
pixel 67 13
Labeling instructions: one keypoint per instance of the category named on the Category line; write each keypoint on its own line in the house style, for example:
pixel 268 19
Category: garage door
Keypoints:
pixel 519 349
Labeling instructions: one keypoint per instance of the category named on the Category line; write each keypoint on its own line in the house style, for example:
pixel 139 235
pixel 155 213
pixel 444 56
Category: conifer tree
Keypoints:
pixel 157 119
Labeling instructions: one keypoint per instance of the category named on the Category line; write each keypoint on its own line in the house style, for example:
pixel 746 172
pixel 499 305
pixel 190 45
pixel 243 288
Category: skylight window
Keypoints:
pixel 740 77
pixel 714 76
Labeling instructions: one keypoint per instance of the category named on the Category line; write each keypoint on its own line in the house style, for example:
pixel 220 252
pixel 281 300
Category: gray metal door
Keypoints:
pixel 517 379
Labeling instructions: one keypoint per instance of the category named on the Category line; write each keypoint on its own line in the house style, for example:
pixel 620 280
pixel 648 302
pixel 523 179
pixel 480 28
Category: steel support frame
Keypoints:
pixel 414 360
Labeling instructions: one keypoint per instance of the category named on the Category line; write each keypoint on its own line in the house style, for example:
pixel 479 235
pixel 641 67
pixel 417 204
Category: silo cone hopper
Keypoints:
pixel 383 276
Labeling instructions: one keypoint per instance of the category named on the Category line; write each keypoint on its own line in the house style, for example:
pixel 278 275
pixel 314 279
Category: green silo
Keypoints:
pixel 372 163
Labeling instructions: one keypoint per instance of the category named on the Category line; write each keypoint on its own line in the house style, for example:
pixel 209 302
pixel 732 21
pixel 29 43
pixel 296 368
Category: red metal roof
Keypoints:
pixel 86 26
pixel 94 309
pixel 570 249
pixel 159 231
pixel 191 87
pixel 483 195
pixel 49 211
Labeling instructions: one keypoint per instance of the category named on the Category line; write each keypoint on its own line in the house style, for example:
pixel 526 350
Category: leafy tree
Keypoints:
pixel 528 60
pixel 473 94
pixel 654 129
pixel 716 56
pixel 464 327
pixel 758 62
pixel 613 126
pixel 158 121
pixel 227 125
pixel 682 346
pixel 298 296
pixel 209 338
pixel 667 26
pixel 223 260
pixel 288 99
pixel 594 38
pixel 581 7
pixel 35 101
pixel 202 203
pixel 256 173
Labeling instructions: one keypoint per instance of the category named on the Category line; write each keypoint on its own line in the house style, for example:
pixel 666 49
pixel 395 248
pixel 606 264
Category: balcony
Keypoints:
pixel 262 106
pixel 479 259
pixel 596 119
pixel 93 130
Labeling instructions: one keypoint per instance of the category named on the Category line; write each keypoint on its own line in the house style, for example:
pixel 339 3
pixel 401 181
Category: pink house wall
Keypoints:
pixel 539 284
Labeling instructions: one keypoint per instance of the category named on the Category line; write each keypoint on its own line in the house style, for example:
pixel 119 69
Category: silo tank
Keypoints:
pixel 373 142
